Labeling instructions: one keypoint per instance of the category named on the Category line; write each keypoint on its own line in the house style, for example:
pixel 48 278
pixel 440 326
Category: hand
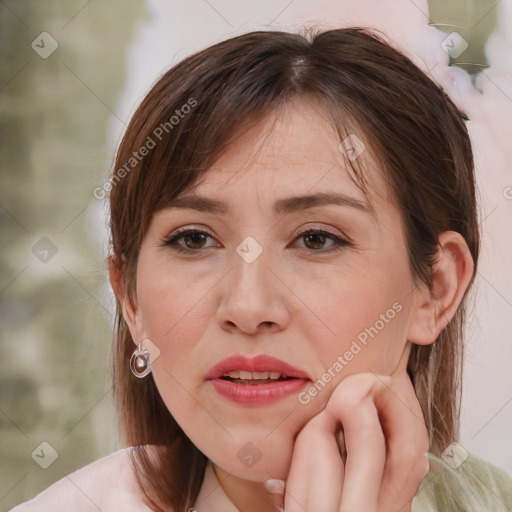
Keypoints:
pixel 385 437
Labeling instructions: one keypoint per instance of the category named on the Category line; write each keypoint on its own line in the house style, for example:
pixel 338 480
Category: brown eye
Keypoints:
pixel 315 240
pixel 188 240
pixel 195 240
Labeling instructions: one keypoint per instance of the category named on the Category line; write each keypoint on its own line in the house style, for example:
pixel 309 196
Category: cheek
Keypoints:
pixel 364 325
pixel 174 317
pixel 171 305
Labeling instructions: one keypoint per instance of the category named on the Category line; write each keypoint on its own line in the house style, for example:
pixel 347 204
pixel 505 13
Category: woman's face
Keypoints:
pixel 260 281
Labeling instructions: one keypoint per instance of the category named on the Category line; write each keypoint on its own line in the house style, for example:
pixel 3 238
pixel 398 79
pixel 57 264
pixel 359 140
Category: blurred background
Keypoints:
pixel 71 73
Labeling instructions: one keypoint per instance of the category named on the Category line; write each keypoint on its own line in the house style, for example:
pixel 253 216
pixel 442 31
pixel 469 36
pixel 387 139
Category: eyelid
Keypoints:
pixel 188 227
pixel 321 227
pixel 299 231
pixel 166 240
pixel 340 240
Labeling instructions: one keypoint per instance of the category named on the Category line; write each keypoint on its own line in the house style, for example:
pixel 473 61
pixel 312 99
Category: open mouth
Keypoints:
pixel 256 381
pixel 254 378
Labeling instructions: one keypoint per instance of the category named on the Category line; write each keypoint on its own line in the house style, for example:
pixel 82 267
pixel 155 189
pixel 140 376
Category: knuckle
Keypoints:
pixel 423 466
pixel 352 390
pixel 420 469
pixel 408 461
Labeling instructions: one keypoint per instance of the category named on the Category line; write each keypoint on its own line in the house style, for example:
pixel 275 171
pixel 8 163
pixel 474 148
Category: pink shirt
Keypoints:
pixel 109 485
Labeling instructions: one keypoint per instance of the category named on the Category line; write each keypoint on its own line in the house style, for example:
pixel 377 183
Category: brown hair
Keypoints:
pixel 406 119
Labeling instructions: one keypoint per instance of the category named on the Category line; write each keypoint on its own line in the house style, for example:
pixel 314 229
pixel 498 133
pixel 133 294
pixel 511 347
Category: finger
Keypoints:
pixel 275 489
pixel 315 479
pixel 407 441
pixel 365 444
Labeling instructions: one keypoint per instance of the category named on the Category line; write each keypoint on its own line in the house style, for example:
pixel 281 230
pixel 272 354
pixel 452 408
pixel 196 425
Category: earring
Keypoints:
pixel 139 362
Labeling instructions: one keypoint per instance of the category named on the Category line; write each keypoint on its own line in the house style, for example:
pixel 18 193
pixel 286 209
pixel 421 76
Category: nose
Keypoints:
pixel 253 298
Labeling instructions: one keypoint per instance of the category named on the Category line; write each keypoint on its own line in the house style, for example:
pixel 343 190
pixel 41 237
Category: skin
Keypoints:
pixel 303 305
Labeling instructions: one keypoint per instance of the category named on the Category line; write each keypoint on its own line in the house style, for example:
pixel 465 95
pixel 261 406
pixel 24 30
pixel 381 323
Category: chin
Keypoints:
pixel 251 463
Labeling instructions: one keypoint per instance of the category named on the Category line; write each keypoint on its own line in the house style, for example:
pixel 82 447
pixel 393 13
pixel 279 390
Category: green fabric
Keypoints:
pixel 470 484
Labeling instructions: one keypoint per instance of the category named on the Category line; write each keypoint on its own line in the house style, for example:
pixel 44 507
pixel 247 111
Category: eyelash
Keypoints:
pixel 172 240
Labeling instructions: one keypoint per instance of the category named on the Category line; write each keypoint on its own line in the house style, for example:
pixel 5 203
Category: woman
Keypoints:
pixel 294 234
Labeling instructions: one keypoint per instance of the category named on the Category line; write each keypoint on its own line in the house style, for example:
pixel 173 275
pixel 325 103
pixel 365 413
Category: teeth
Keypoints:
pixel 241 374
pixel 260 375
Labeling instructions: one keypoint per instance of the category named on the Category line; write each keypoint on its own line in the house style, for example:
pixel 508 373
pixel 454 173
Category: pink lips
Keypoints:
pixel 256 394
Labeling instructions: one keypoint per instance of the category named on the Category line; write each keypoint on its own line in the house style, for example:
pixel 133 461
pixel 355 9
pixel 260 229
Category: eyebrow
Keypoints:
pixel 281 206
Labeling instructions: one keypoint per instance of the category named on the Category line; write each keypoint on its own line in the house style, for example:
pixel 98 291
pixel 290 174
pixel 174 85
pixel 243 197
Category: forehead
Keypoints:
pixel 297 135
pixel 292 151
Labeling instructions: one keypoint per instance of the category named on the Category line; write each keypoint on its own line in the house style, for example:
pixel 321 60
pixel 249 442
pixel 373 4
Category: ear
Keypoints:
pixel 452 272
pixel 131 311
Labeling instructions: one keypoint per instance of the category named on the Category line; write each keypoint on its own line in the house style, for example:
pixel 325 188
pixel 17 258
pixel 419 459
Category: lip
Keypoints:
pixel 261 363
pixel 256 394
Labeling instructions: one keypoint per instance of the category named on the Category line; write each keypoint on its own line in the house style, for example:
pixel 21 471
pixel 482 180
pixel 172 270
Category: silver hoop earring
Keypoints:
pixel 139 362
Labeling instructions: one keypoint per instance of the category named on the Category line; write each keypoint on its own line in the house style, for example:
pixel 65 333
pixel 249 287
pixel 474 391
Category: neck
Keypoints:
pixel 246 495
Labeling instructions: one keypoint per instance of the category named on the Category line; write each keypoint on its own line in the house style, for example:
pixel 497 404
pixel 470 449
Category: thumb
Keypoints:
pixel 275 488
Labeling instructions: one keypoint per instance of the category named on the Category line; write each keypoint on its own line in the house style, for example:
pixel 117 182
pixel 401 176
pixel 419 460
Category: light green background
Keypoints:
pixel 55 350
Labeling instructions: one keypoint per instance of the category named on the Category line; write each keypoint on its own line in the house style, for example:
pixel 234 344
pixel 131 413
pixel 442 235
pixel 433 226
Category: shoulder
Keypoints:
pixel 107 484
pixel 463 481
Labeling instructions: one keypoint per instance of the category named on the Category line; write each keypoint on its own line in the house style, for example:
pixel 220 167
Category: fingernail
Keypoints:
pixel 274 486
